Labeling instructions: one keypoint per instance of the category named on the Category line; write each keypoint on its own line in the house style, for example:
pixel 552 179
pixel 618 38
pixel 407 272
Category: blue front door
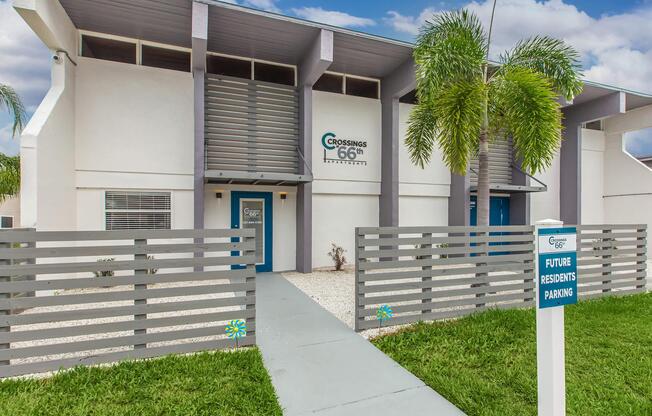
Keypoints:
pixel 498 210
pixel 254 210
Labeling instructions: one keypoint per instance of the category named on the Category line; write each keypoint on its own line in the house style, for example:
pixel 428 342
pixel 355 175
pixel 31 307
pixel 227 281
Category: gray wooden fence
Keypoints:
pixel 430 273
pixel 162 292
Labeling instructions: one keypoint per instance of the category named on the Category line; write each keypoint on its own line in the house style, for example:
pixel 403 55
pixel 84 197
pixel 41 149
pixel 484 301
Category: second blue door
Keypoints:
pixel 254 210
pixel 498 210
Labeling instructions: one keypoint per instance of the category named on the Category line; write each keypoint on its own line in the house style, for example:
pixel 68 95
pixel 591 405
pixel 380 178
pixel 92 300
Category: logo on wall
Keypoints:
pixel 347 151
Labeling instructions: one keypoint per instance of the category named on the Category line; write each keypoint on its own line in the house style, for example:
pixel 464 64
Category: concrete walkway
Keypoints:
pixel 320 366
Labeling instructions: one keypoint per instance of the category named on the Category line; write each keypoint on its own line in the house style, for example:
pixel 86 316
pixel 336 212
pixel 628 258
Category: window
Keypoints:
pixel 361 87
pixel 593 125
pixel 165 58
pixel 409 98
pixel 108 49
pixel 274 73
pixel 330 83
pixel 222 65
pixel 137 210
pixel 6 221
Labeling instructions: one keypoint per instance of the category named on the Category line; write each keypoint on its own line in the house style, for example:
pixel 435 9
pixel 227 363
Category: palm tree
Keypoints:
pixel 464 101
pixel 10 165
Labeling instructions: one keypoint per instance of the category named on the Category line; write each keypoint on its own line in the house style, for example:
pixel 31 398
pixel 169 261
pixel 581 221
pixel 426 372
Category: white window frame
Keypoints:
pixel 139 191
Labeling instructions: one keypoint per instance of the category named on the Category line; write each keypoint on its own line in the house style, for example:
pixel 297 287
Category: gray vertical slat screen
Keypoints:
pixel 430 273
pixel 500 163
pixel 154 297
pixel 251 126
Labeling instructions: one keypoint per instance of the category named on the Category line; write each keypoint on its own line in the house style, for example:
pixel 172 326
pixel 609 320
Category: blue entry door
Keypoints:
pixel 254 210
pixel 498 210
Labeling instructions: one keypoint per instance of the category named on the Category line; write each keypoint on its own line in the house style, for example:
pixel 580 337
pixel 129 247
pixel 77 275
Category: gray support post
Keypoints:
pixel 606 244
pixel 251 278
pixel 641 242
pixel 459 201
pixel 199 45
pixel 358 318
pixel 316 60
pixel 4 312
pixel 571 150
pixel 401 81
pixel 427 270
pixel 140 289
pixel 519 209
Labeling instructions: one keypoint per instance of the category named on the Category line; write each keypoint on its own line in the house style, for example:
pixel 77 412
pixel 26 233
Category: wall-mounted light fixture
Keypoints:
pixel 284 195
pixel 218 195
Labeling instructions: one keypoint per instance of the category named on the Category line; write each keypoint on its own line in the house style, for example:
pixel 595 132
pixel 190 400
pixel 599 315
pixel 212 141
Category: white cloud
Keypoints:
pixel 331 17
pixel 24 60
pixel 8 144
pixel 616 49
pixel 268 5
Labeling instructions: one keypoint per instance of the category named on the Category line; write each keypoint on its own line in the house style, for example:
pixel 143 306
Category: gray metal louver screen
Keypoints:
pixel 251 126
pixel 137 210
pixel 500 163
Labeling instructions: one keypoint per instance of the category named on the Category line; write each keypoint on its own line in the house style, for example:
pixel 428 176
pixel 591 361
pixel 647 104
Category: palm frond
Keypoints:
pixel 10 99
pixel 450 47
pixel 459 111
pixel 526 102
pixel 559 62
pixel 9 176
pixel 421 133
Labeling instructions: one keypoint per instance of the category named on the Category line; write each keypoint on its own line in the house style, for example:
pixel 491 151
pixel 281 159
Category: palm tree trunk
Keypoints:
pixel 482 202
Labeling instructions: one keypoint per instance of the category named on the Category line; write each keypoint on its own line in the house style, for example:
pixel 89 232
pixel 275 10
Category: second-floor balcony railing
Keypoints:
pixel 251 130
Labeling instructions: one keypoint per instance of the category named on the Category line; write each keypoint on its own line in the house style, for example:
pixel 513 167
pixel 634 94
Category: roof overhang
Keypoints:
pixel 241 31
pixel 254 178
pixel 511 189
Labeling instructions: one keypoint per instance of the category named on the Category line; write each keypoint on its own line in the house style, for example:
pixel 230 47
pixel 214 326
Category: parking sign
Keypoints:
pixel 557 271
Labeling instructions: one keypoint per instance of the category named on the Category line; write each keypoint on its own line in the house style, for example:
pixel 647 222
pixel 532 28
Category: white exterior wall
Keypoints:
pixel 344 196
pixel 423 193
pixel 593 146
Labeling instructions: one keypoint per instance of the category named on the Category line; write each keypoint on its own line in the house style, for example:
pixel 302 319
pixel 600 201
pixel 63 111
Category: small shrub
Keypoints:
pixel 104 273
pixel 443 245
pixel 337 254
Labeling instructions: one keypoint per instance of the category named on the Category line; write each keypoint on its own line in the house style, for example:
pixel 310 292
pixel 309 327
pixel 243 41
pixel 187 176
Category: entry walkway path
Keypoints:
pixel 320 366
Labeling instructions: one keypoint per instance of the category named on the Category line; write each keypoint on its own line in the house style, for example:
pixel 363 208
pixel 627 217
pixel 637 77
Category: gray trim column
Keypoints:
pixel 392 87
pixel 459 201
pixel 317 59
pixel 570 190
pixel 199 42
pixel 519 204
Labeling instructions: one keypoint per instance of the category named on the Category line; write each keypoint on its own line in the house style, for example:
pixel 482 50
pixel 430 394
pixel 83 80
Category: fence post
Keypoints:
pixel 358 285
pixel 606 244
pixel 427 270
pixel 641 242
pixel 480 277
pixel 4 312
pixel 251 278
pixel 530 270
pixel 140 290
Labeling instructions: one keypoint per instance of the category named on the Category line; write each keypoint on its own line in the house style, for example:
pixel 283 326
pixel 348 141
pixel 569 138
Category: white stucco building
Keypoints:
pixel 204 114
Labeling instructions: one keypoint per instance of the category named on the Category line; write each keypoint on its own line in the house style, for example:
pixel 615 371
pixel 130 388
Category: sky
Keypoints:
pixel 613 37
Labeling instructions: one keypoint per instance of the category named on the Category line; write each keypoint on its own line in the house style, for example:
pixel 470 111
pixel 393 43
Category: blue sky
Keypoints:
pixel 614 38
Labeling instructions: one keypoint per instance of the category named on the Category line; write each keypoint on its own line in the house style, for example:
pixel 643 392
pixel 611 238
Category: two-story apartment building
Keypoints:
pixel 182 114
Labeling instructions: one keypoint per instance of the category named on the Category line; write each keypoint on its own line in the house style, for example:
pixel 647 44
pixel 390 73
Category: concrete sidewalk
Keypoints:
pixel 320 366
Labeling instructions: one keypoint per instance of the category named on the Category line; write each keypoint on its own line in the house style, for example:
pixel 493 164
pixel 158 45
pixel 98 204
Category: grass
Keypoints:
pixel 218 383
pixel 486 363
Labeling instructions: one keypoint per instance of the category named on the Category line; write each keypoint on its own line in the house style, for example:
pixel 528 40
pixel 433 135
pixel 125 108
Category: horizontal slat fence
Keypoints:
pixel 95 297
pixel 430 273
pixel 611 259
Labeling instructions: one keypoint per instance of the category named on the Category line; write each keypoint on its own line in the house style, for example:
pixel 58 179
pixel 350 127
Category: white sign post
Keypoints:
pixel 556 276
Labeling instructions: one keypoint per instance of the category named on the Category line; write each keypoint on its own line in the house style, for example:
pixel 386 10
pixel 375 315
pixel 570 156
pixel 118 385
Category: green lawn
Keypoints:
pixel 219 383
pixel 486 363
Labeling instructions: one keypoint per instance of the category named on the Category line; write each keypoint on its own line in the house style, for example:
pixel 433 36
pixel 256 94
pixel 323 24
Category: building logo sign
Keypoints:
pixel 346 151
pixel 557 271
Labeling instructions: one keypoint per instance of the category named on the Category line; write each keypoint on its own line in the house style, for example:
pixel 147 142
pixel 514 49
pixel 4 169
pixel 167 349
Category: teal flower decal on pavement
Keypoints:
pixel 384 313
